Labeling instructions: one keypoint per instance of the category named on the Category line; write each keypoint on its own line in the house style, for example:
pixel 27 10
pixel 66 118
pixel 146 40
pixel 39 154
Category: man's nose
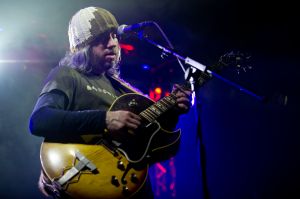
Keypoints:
pixel 112 41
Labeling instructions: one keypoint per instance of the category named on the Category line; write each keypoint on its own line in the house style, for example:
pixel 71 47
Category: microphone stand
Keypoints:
pixel 192 73
pixel 197 74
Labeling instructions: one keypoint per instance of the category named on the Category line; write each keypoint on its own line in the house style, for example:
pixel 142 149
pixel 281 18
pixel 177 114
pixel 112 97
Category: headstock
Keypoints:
pixel 237 59
pixel 241 61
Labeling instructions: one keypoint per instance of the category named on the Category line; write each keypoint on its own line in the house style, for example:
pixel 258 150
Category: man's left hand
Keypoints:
pixel 182 99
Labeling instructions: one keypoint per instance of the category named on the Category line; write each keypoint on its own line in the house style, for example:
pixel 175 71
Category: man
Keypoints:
pixel 77 94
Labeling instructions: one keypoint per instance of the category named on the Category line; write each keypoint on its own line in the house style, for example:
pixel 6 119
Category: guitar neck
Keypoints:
pixel 158 108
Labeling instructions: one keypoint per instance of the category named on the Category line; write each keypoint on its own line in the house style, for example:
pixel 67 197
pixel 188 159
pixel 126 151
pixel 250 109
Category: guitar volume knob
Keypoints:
pixel 115 181
pixel 121 165
pixel 134 178
pixel 125 190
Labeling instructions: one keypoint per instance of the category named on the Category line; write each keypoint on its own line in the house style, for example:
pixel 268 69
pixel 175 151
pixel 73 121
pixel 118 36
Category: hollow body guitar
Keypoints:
pixel 112 168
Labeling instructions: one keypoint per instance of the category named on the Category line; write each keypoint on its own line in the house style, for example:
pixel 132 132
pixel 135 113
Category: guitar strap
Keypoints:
pixel 125 85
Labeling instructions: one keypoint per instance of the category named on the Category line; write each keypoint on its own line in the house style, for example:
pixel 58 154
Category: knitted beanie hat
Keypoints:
pixel 87 24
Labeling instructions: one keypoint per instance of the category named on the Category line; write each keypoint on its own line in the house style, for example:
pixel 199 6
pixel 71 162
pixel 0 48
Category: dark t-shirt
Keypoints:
pixel 73 103
pixel 84 92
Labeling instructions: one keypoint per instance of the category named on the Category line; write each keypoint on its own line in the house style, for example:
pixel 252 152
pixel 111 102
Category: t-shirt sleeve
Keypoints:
pixel 62 79
pixel 51 115
pixel 51 122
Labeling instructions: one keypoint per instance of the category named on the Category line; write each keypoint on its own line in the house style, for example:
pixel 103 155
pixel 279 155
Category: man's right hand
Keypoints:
pixel 118 122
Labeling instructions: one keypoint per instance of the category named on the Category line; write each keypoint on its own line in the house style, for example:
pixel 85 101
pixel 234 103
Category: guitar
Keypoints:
pixel 112 168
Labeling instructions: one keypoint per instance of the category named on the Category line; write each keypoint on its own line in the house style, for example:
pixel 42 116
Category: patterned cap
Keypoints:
pixel 87 24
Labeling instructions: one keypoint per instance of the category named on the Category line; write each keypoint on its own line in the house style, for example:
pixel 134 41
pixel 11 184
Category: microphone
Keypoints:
pixel 125 29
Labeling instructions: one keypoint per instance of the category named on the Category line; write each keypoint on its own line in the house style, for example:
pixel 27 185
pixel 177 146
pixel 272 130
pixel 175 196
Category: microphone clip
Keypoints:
pixel 134 28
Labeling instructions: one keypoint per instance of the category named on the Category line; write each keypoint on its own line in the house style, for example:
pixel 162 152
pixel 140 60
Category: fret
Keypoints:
pixel 166 104
pixel 149 111
pixel 160 106
pixel 146 116
pixel 149 115
pixel 155 110
pixel 171 99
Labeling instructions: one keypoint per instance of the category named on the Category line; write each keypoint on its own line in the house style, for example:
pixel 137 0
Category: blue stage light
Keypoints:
pixel 145 67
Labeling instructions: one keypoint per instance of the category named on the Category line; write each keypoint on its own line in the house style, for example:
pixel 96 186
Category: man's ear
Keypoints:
pixel 119 60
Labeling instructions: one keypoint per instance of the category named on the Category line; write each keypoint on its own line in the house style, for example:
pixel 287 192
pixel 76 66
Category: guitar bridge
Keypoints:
pixel 83 163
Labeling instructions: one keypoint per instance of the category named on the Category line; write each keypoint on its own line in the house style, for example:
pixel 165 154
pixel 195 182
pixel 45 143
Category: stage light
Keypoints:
pixel 145 66
pixel 158 90
pixel 127 47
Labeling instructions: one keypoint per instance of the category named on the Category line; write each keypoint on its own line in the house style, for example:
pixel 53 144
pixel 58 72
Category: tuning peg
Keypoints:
pixel 164 55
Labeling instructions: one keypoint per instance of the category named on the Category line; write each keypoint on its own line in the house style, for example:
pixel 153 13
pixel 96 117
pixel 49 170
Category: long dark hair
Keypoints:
pixel 80 61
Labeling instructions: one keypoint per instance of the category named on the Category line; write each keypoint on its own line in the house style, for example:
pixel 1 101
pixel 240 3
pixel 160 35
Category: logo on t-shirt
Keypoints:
pixel 100 90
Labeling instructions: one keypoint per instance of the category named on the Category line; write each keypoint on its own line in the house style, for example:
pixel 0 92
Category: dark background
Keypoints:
pixel 251 147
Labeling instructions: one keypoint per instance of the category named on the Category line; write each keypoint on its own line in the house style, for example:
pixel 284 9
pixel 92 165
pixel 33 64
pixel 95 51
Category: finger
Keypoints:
pixel 183 106
pixel 131 126
pixel 116 125
pixel 183 100
pixel 134 116
pixel 134 121
pixel 183 94
pixel 178 88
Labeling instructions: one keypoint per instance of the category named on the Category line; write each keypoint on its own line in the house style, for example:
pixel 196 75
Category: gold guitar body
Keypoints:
pixel 58 158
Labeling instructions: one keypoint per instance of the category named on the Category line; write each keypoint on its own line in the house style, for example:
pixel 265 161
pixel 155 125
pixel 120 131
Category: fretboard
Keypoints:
pixel 158 108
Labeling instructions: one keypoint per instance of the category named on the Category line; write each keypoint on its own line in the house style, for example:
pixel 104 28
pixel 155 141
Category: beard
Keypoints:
pixel 107 64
